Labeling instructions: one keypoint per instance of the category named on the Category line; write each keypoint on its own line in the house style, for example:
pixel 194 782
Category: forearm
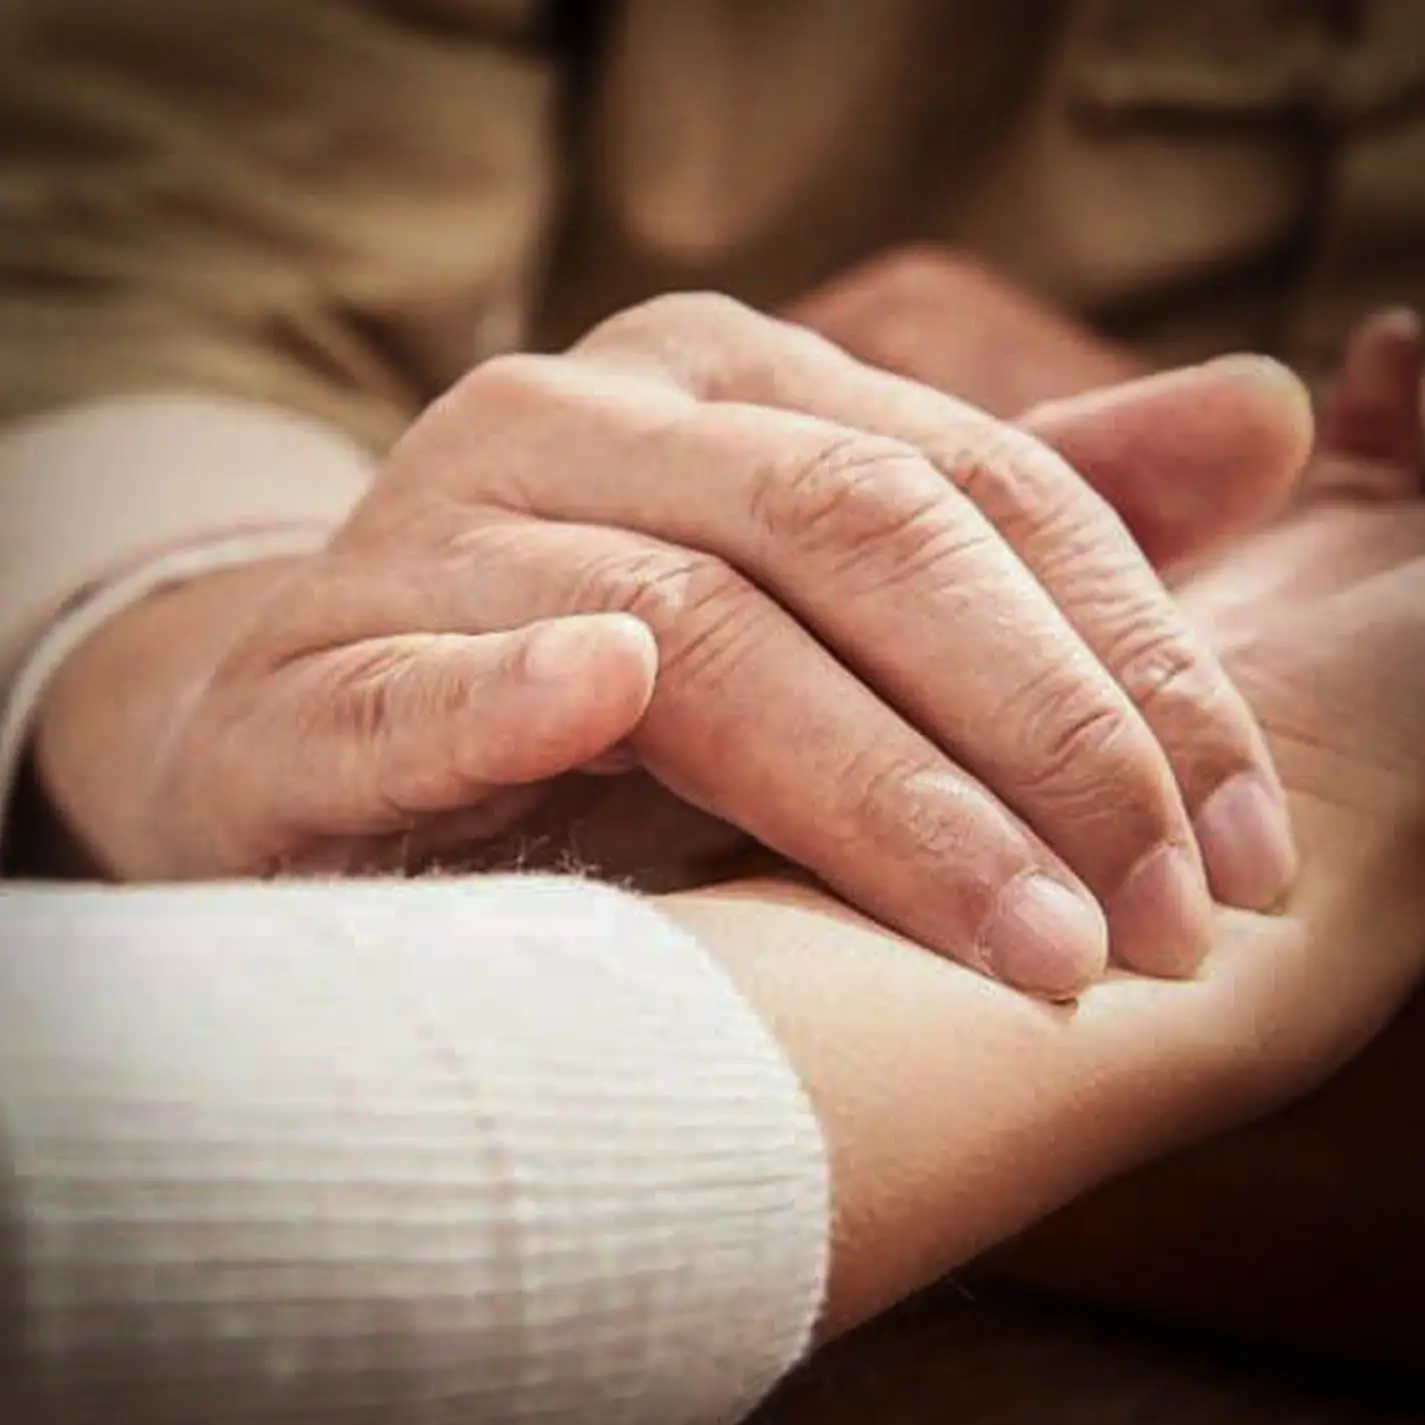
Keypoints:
pixel 1307 1226
pixel 956 1112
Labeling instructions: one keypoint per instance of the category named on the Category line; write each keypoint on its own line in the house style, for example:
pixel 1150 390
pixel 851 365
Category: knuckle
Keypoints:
pixel 1162 666
pixel 712 345
pixel 697 308
pixel 981 472
pixel 664 323
pixel 654 584
pixel 1073 740
pixel 716 635
pixel 719 619
pixel 493 403
pixel 897 802
pixel 364 687
pixel 1090 561
pixel 1198 714
pixel 876 786
pixel 373 698
pixel 1023 489
pixel 851 492
pixel 1165 670
pixel 702 611
pixel 512 383
pixel 1092 744
pixel 693 311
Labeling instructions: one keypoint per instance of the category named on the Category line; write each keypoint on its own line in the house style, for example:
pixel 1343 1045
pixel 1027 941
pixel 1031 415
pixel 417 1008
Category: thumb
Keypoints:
pixel 1191 457
pixel 404 727
pixel 1373 412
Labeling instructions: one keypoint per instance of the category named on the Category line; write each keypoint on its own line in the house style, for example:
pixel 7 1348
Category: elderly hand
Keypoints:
pixel 899 642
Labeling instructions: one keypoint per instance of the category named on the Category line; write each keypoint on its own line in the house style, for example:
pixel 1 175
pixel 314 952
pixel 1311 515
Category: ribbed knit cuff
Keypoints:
pixel 496 1149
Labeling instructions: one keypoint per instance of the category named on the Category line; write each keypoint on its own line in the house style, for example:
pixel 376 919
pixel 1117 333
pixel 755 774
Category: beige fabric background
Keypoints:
pixel 339 205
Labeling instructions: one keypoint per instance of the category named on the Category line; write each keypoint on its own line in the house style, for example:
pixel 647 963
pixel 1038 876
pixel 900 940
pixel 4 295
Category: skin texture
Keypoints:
pixel 1209 1237
pixel 937 1151
pixel 1321 618
pixel 1170 1239
pixel 947 320
pixel 714 546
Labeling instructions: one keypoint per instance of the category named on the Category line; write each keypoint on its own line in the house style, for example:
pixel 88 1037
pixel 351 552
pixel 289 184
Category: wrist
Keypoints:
pixel 114 712
pixel 955 1110
pixel 1346 952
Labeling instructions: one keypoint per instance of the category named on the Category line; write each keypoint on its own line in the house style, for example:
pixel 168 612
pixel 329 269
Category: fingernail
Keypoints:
pixel 563 648
pixel 554 650
pixel 1160 918
pixel 1044 938
pixel 1260 371
pixel 1247 843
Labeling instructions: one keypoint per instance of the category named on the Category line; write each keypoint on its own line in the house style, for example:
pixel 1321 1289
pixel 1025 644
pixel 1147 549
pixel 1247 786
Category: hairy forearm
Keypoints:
pixel 957 1111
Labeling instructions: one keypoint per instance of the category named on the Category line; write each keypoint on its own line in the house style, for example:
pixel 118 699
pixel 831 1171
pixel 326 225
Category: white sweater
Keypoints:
pixel 504 1149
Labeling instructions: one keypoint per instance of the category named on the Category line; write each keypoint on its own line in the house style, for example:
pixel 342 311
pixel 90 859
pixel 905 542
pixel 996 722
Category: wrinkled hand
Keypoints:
pixel 950 321
pixel 899 642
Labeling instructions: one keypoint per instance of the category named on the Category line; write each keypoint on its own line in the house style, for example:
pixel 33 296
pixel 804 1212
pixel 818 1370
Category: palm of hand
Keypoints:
pixel 1321 619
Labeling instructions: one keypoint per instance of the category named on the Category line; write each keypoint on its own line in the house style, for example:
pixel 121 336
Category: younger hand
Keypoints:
pixel 1321 619
pixel 950 321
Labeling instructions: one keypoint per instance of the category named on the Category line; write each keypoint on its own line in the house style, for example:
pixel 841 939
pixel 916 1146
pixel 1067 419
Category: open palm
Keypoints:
pixel 1321 616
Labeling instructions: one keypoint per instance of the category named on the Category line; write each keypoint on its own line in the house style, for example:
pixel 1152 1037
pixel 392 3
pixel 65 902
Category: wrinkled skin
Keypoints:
pixel 906 645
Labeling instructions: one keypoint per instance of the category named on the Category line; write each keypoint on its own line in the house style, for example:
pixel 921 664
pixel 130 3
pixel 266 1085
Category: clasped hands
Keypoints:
pixel 714 559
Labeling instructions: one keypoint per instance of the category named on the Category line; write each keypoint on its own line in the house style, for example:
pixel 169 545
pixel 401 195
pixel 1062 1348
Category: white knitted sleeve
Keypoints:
pixel 503 1149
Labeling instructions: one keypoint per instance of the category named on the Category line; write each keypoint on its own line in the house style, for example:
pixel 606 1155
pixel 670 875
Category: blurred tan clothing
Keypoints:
pixel 339 205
